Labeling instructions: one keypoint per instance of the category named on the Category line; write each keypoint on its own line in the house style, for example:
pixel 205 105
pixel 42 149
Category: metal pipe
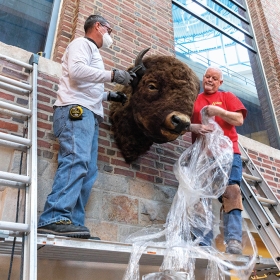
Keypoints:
pixel 15 61
pixel 16 139
pixel 14 89
pixel 14 226
pixel 8 183
pixel 14 177
pixel 18 147
pixel 15 83
pixel 14 114
pixel 15 108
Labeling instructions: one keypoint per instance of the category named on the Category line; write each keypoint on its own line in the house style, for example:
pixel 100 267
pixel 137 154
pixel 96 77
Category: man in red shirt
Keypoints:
pixel 229 112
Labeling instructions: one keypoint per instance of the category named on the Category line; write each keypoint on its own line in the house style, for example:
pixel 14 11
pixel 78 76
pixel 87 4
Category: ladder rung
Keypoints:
pixel 16 139
pixel 8 183
pixel 266 200
pixel 15 61
pixel 15 83
pixel 14 226
pixel 14 177
pixel 14 114
pixel 13 145
pixel 14 89
pixel 15 108
pixel 243 158
pixel 276 225
pixel 251 178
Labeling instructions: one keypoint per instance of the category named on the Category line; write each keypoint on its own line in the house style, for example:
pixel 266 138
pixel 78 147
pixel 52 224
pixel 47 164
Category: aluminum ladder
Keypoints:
pixel 262 206
pixel 29 146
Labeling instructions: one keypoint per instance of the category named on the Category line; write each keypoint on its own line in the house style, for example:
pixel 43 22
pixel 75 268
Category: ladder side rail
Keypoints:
pixel 255 171
pixel 268 233
pixel 30 223
pixel 30 251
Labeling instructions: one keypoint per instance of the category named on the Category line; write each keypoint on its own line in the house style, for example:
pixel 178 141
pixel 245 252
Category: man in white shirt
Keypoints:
pixel 78 111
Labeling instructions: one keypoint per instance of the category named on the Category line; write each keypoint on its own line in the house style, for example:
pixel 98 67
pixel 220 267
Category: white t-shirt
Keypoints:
pixel 83 77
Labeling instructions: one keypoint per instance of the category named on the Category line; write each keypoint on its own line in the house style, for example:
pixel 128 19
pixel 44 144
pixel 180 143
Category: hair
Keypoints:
pixel 91 20
pixel 216 68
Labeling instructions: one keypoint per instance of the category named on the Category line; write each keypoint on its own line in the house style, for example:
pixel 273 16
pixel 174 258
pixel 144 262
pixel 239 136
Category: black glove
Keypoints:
pixel 117 96
pixel 123 77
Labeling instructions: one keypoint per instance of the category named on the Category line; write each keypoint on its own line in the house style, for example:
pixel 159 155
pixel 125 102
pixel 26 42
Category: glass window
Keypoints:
pixel 25 23
pixel 217 33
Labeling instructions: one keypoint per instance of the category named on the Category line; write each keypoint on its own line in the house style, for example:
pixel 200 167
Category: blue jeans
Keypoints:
pixel 233 219
pixel 77 167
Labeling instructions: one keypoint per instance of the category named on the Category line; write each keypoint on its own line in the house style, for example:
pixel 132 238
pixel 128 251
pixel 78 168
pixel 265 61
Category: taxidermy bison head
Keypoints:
pixel 159 107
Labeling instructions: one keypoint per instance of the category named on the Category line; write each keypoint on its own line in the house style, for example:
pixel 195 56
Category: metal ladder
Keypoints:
pixel 262 206
pixel 28 229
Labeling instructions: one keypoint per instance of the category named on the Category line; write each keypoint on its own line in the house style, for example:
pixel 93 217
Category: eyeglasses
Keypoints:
pixel 109 29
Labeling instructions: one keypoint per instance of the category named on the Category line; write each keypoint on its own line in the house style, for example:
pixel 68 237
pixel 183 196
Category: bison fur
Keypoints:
pixel 159 105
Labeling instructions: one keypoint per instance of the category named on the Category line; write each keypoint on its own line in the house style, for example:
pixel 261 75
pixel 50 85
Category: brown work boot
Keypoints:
pixel 234 247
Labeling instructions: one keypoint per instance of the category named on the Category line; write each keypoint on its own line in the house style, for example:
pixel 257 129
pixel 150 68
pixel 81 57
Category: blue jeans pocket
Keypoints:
pixel 63 130
pixel 59 120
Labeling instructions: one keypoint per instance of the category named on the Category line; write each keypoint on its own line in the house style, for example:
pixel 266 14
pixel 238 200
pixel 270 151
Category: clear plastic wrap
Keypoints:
pixel 202 172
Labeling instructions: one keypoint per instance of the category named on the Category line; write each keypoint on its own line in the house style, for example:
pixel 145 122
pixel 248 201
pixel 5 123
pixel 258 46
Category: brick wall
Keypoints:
pixel 269 167
pixel 265 21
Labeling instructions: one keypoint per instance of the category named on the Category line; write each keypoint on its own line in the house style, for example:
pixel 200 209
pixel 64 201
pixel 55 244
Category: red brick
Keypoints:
pixel 43 144
pixel 103 158
pixel 7 96
pixel 40 134
pixel 43 98
pixel 44 107
pixel 145 177
pixel 44 125
pixel 167 175
pixel 124 172
pixel 173 183
pixel 9 126
pixel 150 171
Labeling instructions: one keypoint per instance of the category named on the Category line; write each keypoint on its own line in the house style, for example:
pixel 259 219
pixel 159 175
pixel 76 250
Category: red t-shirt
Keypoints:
pixel 225 100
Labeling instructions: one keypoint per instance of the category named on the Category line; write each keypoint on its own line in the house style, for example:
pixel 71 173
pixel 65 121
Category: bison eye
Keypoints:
pixel 152 87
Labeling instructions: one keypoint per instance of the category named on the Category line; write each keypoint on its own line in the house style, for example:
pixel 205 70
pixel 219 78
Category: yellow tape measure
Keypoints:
pixel 76 113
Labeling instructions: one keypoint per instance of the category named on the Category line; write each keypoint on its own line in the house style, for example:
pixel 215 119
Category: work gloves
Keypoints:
pixel 123 77
pixel 117 96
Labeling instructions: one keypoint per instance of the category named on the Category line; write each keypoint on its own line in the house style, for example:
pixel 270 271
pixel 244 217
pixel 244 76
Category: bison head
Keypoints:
pixel 159 107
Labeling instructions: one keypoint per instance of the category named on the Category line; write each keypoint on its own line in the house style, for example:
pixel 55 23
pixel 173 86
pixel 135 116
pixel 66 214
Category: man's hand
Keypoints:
pixel 212 111
pixel 200 128
pixel 123 77
pixel 233 118
pixel 117 96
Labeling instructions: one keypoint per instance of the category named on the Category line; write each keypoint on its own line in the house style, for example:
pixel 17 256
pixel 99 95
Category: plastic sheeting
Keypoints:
pixel 202 172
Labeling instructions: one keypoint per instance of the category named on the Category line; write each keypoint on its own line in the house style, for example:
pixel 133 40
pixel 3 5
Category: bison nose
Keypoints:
pixel 179 124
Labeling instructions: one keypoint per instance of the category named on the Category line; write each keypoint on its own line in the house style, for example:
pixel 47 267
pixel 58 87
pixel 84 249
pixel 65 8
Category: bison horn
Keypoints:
pixel 138 62
pixel 139 68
